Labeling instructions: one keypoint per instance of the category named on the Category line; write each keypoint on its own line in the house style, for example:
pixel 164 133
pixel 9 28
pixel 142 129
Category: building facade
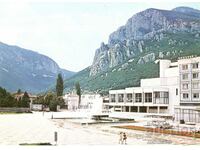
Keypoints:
pixel 71 101
pixel 189 85
pixel 175 92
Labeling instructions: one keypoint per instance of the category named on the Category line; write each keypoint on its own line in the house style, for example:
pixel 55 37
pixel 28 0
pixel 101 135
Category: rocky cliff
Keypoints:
pixel 131 40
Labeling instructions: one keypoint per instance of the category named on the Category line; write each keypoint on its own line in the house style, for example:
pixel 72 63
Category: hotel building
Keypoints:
pixel 189 85
pixel 175 92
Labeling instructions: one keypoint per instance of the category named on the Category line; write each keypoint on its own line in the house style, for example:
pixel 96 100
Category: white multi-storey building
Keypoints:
pixel 174 93
pixel 189 85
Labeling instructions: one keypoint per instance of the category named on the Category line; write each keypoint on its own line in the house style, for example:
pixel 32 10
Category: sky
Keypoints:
pixel 68 32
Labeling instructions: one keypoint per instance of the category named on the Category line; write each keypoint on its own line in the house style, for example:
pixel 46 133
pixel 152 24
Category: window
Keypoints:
pixel 161 98
pixel 176 91
pixel 129 97
pixel 138 97
pixel 195 95
pixel 121 97
pixel 185 95
pixel 195 66
pixel 148 97
pixel 195 85
pixel 185 86
pixel 185 76
pixel 195 75
pixel 157 94
pixel 184 67
pixel 112 97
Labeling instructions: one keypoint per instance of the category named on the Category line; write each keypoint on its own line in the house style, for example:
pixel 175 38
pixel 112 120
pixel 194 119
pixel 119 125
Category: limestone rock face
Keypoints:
pixel 147 58
pixel 129 40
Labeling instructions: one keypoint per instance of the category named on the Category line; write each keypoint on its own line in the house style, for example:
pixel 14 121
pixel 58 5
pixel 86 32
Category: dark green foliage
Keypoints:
pixel 19 91
pixel 6 99
pixel 25 101
pixel 48 98
pixel 60 101
pixel 78 92
pixel 53 105
pixel 59 85
pixel 39 100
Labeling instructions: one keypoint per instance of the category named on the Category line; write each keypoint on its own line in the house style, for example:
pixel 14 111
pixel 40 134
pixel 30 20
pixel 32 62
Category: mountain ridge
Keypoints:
pixel 127 41
pixel 132 49
pixel 27 70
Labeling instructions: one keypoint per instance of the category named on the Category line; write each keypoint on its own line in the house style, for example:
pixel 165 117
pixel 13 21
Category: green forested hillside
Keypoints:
pixel 172 46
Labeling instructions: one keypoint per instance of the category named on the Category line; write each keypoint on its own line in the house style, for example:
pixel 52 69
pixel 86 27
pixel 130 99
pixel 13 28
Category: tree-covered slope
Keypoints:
pixel 127 74
pixel 132 49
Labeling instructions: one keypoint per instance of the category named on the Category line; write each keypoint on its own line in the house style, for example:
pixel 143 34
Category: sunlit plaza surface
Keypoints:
pixel 39 127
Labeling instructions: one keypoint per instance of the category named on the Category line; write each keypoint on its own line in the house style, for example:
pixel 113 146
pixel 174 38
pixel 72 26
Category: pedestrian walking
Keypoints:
pixel 124 138
pixel 120 138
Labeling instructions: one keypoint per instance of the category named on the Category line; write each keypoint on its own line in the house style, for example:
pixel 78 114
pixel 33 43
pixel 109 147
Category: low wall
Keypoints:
pixel 14 109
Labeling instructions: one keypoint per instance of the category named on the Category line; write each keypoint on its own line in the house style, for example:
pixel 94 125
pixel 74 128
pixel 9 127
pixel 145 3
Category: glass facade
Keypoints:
pixel 188 115
pixel 161 98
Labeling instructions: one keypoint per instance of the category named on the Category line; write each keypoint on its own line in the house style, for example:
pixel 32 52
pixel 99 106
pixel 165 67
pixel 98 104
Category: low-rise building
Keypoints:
pixel 71 101
pixel 175 92
pixel 92 102
pixel 37 107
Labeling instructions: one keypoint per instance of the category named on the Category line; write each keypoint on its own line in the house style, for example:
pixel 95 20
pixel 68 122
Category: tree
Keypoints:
pixel 60 101
pixel 59 85
pixel 39 100
pixel 25 100
pixel 19 91
pixel 6 99
pixel 78 92
pixel 48 98
pixel 53 105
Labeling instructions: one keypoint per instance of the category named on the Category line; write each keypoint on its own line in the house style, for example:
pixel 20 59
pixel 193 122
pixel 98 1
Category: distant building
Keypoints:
pixel 19 96
pixel 71 100
pixel 37 107
pixel 94 103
